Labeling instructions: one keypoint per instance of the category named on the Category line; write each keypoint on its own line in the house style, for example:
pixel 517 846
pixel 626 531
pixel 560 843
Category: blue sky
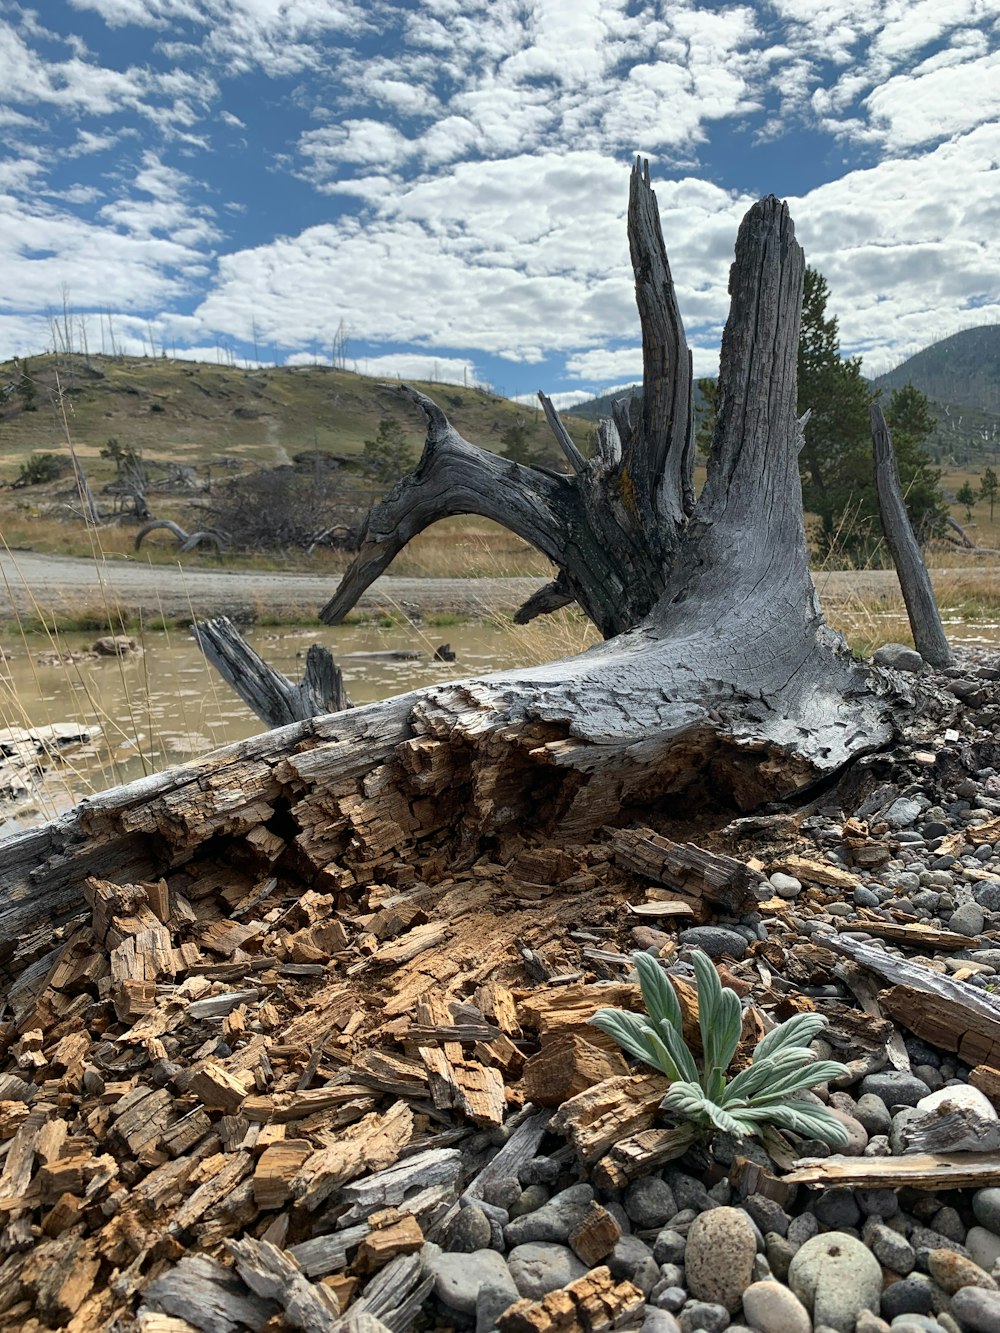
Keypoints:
pixel 440 187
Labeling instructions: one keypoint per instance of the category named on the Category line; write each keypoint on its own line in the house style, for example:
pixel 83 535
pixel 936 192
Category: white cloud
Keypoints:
pixel 417 366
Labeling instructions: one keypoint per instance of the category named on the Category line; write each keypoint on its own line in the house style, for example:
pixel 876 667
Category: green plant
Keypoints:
pixel 40 468
pixel 782 1063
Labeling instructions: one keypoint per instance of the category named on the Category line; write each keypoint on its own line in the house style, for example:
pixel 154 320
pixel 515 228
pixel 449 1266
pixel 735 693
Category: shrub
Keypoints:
pixel 279 509
pixel 762 1094
pixel 40 468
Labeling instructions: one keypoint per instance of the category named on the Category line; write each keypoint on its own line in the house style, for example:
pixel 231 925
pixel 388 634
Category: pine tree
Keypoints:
pixel 989 488
pixel 966 497
pixel 388 456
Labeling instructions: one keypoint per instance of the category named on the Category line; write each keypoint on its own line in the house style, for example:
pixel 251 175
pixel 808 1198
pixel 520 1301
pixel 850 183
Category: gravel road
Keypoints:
pixel 59 582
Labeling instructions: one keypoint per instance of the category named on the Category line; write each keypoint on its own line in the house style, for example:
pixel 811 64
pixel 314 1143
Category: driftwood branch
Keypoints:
pixel 185 541
pixel 274 698
pixel 921 606
pixel 576 459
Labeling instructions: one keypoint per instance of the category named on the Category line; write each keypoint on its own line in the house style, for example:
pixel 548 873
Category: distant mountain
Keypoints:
pixel 961 377
pixel 963 370
pixel 595 408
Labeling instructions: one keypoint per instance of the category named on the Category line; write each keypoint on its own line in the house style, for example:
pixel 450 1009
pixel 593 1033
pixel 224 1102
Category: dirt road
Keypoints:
pixel 60 583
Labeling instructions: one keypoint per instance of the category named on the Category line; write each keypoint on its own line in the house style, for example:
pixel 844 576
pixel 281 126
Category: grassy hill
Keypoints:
pixel 197 413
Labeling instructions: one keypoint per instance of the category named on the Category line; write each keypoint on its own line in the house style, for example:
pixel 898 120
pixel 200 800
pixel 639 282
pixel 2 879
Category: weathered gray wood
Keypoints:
pixel 921 605
pixel 275 699
pixel 612 528
pixel 185 541
pixel 576 459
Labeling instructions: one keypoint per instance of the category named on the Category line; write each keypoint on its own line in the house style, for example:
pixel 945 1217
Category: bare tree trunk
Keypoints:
pixel 929 637
pixel 275 699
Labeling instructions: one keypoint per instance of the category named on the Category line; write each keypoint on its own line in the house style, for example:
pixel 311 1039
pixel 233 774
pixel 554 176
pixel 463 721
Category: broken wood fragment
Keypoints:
pixel 720 880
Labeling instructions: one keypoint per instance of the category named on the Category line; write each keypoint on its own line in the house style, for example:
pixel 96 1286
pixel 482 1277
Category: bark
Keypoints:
pixel 921 606
pixel 730 690
pixel 274 698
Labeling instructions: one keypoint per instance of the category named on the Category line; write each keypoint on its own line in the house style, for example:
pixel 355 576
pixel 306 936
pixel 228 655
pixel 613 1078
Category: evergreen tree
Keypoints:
pixel 966 497
pixel 387 457
pixel 517 445
pixel 989 488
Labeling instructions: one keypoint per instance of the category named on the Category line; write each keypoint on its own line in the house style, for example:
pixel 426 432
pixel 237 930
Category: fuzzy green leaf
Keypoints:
pixel 679 1053
pixel 657 992
pixel 814 1122
pixel 799 1030
pixel 634 1035
pixel 690 1101
pixel 721 1022
pixel 757 1078
pixel 796 1080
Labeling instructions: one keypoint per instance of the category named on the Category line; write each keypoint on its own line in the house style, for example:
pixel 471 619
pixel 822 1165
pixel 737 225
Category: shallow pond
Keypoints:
pixel 165 704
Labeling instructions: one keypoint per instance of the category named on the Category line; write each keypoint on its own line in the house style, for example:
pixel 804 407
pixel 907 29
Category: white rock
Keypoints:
pixel 772 1308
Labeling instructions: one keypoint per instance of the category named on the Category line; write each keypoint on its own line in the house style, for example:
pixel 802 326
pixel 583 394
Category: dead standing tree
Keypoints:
pixel 721 670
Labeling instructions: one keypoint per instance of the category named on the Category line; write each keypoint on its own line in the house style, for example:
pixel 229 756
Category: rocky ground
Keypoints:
pixel 382 1106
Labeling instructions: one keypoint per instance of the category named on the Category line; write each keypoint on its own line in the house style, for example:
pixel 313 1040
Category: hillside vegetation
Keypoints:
pixel 197 413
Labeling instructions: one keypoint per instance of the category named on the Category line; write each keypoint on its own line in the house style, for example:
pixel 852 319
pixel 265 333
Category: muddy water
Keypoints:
pixel 166 705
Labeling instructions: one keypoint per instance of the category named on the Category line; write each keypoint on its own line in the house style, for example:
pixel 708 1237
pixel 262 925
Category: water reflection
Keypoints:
pixel 165 704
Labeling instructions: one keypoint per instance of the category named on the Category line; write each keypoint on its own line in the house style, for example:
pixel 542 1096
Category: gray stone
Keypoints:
pixel 987 894
pixel 718 1262
pixel 650 1202
pixel 902 813
pixel 899 657
pixel 532 1198
pixel 459 1277
pixel 986 1206
pixel 877 1203
pixel 772 1308
pixel 977 1308
pixel 983 1246
pixel 968 919
pixel 911 1295
pixel 916 1323
pixel 554 1220
pixel 470 1231
pixel 802 1228
pixel 717 941
pixel 688 1192
pixel 836 1208
pixel 539 1267
pixel 779 1251
pixel 895 1087
pixel 671 1299
pixel 870 1323
pixel 947 1222
pixel 836 1276
pixel 492 1300
pixel 704 1317
pixel 669 1247
pixel 891 1249
pixel 659 1321
pixel 539 1171
pixel 785 886
pixel 767 1214
pixel 503 1192
pixel 633 1259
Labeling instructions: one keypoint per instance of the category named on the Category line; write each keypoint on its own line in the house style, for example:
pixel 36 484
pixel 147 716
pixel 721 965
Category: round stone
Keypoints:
pixel 704 1317
pixel 895 1087
pixel 836 1276
pixel 977 1308
pixel 952 1272
pixel 716 941
pixel 459 1277
pixel 772 1308
pixel 470 1231
pixel 785 886
pixel 650 1202
pixel 983 1247
pixel 986 1206
pixel 718 1261
pixel 540 1267
pixel 911 1295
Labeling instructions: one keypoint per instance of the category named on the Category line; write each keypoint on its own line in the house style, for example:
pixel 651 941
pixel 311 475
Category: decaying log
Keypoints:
pixel 921 606
pixel 591 1303
pixel 274 698
pixel 950 1014
pixel 716 879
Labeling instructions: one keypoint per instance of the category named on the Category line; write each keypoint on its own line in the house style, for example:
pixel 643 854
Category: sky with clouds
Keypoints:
pixel 438 188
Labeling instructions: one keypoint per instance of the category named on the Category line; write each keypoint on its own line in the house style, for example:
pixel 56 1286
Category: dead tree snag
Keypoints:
pixel 724 675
